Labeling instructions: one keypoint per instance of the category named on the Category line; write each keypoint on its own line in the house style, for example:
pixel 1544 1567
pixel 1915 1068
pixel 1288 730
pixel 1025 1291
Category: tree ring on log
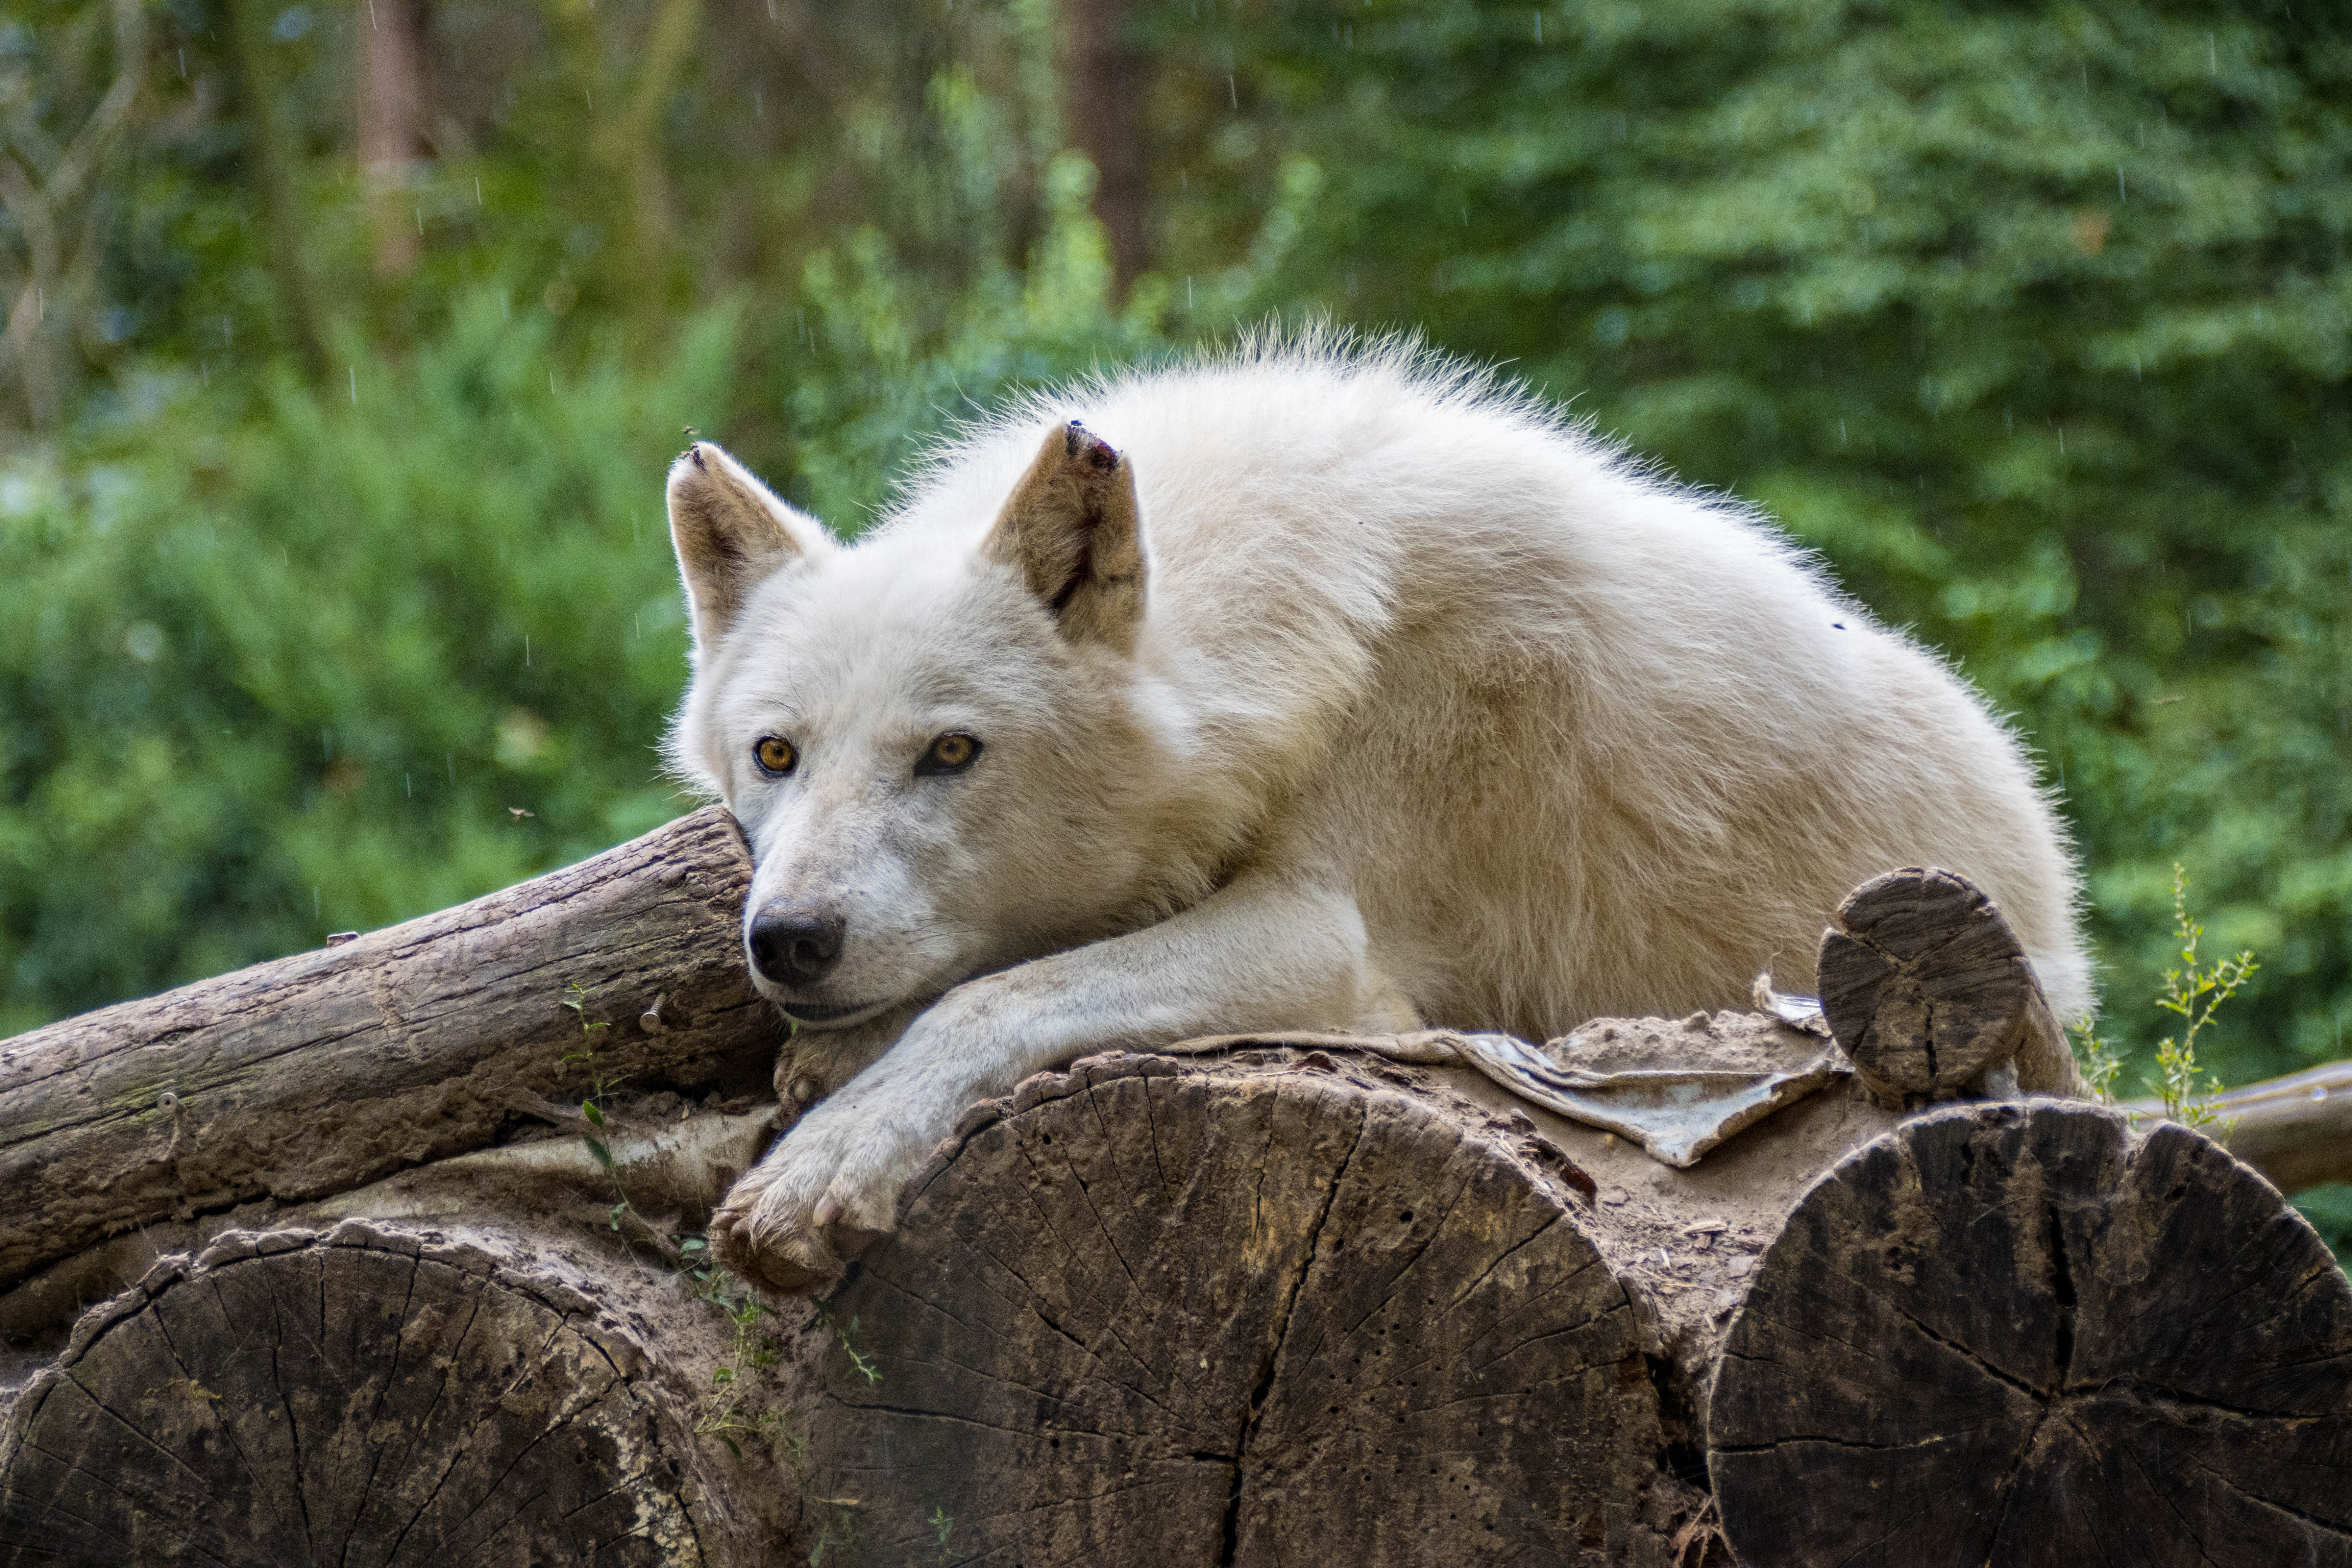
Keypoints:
pixel 2007 1334
pixel 1922 984
pixel 1181 1312
pixel 371 1397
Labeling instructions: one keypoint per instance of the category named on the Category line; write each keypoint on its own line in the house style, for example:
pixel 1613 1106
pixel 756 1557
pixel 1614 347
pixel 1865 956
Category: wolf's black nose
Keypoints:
pixel 796 947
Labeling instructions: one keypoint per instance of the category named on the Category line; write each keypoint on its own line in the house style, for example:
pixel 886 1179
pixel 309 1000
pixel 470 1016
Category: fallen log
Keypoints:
pixel 1272 1308
pixel 1280 1304
pixel 2295 1129
pixel 1257 1311
pixel 317 1073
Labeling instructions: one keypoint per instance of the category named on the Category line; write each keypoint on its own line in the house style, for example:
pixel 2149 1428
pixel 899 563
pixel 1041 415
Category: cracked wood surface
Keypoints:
pixel 375 1397
pixel 2007 1334
pixel 1928 989
pixel 1247 1312
pixel 315 1074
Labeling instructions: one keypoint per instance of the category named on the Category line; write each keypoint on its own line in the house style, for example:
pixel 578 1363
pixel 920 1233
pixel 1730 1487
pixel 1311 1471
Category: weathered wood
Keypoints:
pixel 377 1397
pixel 2010 1334
pixel 317 1073
pixel 2296 1129
pixel 670 1163
pixel 1282 1307
pixel 1928 991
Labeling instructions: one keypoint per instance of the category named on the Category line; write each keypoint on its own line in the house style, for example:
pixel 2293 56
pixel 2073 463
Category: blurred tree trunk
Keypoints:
pixel 799 45
pixel 627 139
pixel 273 167
pixel 42 184
pixel 1105 73
pixel 640 141
pixel 392 124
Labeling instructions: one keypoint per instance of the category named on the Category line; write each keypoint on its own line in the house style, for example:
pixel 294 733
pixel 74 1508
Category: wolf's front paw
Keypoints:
pixel 828 1189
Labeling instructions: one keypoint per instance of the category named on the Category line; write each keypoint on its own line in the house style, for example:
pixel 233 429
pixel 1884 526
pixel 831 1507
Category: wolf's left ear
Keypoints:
pixel 731 532
pixel 1070 529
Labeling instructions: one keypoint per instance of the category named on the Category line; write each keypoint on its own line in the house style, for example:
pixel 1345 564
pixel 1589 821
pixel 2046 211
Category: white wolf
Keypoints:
pixel 1307 687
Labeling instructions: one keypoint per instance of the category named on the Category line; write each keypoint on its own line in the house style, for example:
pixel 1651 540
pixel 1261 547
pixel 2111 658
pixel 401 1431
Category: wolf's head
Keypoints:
pixel 928 737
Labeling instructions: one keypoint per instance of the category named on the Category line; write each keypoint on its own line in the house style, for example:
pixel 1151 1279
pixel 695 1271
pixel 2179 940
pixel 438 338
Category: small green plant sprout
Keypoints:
pixel 863 1367
pixel 840 1530
pixel 2098 1058
pixel 730 1411
pixel 591 1110
pixel 943 1524
pixel 2194 992
pixel 575 997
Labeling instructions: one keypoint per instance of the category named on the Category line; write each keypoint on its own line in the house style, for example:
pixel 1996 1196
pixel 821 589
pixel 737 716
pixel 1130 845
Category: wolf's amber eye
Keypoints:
pixel 949 755
pixel 775 756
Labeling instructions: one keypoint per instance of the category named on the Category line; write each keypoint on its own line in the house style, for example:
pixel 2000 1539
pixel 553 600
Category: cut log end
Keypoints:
pixel 373 1397
pixel 1240 1315
pixel 2011 1334
pixel 1930 994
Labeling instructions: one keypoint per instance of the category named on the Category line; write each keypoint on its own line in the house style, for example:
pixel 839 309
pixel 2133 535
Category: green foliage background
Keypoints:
pixel 2034 319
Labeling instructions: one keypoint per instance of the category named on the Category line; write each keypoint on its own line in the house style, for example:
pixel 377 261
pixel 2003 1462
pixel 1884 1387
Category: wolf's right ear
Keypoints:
pixel 731 532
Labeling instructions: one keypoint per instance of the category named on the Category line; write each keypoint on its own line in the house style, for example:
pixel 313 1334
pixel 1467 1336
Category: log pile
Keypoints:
pixel 1280 1303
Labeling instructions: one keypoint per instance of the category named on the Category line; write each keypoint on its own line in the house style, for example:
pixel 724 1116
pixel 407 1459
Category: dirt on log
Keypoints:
pixel 383 1395
pixel 2016 1334
pixel 315 1074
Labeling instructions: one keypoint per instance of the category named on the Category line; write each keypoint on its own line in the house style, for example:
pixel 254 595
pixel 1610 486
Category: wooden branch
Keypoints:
pixel 392 113
pixel 2296 1129
pixel 318 1073
pixel 1107 84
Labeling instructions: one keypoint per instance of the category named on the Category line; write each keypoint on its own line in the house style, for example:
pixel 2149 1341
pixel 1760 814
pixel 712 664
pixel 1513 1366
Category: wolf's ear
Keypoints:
pixel 1070 529
pixel 731 532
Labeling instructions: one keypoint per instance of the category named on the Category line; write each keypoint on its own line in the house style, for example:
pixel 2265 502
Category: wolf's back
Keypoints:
pixel 1581 739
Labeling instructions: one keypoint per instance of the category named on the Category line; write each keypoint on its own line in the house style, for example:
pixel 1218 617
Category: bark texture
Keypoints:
pixel 318 1073
pixel 2011 1334
pixel 381 1396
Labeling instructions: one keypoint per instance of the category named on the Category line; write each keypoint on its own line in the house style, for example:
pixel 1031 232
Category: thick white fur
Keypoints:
pixel 1442 711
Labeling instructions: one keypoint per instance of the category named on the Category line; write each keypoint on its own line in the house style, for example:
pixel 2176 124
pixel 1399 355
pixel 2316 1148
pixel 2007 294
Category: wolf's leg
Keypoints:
pixel 1260 955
